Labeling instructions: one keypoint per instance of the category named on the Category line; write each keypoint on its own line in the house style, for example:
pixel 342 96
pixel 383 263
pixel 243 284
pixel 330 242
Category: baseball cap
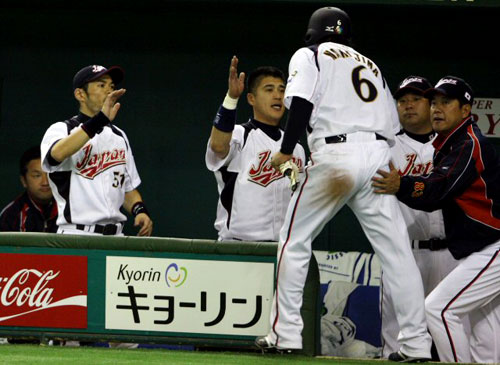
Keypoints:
pixel 453 87
pixel 93 72
pixel 415 84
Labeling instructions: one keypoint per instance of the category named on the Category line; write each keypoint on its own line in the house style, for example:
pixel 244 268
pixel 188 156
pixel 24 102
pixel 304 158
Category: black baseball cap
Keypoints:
pixel 93 72
pixel 453 87
pixel 412 84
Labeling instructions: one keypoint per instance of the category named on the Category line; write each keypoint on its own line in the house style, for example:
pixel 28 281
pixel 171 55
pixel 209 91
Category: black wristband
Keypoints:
pixel 225 119
pixel 95 125
pixel 139 208
pixel 298 118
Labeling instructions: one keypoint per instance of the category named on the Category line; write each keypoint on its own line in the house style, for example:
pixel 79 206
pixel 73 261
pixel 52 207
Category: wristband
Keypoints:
pixel 225 119
pixel 230 103
pixel 139 208
pixel 95 125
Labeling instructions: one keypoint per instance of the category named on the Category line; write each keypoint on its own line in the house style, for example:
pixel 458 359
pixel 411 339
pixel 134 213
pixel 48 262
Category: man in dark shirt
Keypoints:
pixel 465 184
pixel 34 210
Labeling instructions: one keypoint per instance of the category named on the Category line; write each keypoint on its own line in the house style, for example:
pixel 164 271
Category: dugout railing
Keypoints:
pixel 144 290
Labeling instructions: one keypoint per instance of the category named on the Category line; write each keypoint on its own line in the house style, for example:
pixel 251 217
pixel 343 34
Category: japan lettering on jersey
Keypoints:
pixel 253 196
pixel 414 158
pixel 347 90
pixel 90 186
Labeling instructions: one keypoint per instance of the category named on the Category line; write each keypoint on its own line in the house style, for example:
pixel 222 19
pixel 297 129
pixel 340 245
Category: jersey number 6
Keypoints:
pixel 358 82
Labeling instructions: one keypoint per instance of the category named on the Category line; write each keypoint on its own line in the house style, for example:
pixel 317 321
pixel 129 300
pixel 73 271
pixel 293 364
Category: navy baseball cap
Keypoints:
pixel 453 87
pixel 93 72
pixel 412 84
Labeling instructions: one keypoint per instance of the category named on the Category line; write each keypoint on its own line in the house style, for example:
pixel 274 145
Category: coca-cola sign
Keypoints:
pixel 43 290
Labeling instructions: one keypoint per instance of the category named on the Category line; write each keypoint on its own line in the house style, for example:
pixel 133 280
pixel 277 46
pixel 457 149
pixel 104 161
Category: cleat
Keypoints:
pixel 265 345
pixel 400 357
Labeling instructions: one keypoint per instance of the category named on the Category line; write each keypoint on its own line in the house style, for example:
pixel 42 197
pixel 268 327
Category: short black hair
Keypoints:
pixel 261 72
pixel 29 155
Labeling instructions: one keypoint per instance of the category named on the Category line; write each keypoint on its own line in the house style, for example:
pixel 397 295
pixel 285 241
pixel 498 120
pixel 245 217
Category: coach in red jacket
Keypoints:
pixel 465 184
pixel 35 210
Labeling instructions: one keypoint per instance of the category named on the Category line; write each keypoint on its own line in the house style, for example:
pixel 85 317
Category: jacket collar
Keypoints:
pixel 441 140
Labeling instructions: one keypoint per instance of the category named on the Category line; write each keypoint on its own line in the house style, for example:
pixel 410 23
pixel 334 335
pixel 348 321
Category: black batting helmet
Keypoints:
pixel 328 21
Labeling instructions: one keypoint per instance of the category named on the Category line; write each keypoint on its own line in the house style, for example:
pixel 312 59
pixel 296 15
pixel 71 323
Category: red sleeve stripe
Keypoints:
pixel 475 202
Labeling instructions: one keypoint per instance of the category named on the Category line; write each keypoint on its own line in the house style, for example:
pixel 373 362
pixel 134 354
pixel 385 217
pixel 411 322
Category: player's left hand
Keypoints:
pixel 389 182
pixel 142 220
pixel 278 159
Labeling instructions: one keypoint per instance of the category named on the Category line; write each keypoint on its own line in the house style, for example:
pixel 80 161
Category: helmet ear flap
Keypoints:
pixel 310 38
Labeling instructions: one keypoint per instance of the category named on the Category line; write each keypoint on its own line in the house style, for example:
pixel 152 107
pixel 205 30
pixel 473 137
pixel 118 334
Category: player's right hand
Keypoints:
pixel 236 84
pixel 110 107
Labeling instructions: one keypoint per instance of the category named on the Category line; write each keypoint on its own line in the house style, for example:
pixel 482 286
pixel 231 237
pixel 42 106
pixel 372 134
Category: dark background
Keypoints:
pixel 176 56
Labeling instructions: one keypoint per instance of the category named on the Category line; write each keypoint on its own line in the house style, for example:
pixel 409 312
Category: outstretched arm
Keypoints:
pixel 225 119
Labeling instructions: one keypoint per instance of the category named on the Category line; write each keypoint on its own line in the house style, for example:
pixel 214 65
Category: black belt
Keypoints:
pixel 432 244
pixel 107 230
pixel 341 138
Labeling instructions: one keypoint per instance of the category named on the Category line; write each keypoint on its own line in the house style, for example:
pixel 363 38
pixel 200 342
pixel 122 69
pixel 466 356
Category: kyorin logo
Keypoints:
pixel 175 276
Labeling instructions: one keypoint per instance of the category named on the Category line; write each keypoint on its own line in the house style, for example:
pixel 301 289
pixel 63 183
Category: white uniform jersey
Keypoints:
pixel 90 185
pixel 344 93
pixel 253 197
pixel 414 158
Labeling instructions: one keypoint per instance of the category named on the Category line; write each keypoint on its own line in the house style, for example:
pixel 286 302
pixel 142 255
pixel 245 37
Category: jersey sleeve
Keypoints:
pixel 55 132
pixel 393 112
pixel 303 76
pixel 132 178
pixel 448 179
pixel 213 162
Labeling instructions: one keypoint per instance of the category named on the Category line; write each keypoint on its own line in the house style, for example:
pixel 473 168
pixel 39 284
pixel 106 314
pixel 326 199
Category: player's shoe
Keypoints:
pixel 400 357
pixel 265 345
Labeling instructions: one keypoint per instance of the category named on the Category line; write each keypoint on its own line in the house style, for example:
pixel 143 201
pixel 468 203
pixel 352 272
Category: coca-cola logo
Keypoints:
pixel 14 292
pixel 43 290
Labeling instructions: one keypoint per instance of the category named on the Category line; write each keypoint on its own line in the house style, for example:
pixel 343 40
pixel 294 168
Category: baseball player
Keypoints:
pixel 91 168
pixel 341 98
pixel 464 184
pixel 253 196
pixel 35 210
pixel 412 156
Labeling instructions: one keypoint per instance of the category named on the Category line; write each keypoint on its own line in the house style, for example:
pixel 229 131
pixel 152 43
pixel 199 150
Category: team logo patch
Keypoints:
pixel 418 190
pixel 93 164
pixel 264 174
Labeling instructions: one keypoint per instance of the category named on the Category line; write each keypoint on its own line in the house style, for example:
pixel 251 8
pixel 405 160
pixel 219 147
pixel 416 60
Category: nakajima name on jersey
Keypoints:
pixel 338 53
pixel 264 174
pixel 92 165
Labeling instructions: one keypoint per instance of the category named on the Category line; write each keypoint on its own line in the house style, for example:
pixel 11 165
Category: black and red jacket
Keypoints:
pixel 24 215
pixel 465 184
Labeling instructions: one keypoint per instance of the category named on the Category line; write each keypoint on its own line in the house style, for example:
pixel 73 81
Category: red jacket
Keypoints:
pixel 24 215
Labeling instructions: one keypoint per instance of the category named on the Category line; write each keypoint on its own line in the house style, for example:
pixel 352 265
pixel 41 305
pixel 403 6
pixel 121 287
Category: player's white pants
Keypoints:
pixel 472 288
pixel 340 174
pixel 433 266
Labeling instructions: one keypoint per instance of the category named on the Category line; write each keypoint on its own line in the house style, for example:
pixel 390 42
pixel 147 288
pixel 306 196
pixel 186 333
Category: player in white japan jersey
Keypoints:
pixel 91 167
pixel 342 99
pixel 412 156
pixel 253 196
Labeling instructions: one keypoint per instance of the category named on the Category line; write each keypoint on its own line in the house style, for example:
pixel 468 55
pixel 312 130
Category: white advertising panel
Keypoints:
pixel 189 296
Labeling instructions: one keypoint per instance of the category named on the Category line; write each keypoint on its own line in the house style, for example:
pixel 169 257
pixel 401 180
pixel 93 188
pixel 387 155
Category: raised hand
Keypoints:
pixel 111 106
pixel 236 83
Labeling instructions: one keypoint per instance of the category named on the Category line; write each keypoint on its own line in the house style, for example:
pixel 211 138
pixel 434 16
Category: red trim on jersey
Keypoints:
pixel 450 339
pixel 474 201
pixel 283 250
pixel 23 215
